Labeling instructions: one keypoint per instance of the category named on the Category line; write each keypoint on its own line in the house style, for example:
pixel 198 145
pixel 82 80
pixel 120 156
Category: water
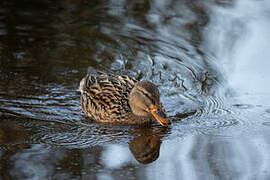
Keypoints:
pixel 209 60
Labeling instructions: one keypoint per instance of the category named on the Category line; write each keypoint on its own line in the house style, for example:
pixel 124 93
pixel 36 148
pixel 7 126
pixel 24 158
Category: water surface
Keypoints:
pixel 209 60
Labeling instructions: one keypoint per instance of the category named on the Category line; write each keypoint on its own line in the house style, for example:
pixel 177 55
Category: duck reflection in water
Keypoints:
pixel 145 148
pixel 146 142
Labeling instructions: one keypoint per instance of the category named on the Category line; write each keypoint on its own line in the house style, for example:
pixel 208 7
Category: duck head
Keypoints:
pixel 144 100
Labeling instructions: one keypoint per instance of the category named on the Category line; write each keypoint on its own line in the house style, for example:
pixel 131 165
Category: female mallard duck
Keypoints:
pixel 109 98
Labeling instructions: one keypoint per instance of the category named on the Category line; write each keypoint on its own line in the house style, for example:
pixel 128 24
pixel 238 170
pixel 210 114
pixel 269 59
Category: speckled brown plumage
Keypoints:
pixel 106 98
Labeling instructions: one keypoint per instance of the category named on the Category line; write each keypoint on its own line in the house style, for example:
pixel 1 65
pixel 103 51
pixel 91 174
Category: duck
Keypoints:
pixel 120 99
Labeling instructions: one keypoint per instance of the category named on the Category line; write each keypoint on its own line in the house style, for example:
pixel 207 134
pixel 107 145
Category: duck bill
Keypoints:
pixel 158 116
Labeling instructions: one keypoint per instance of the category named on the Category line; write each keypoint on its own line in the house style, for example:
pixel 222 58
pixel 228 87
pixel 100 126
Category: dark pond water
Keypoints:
pixel 210 60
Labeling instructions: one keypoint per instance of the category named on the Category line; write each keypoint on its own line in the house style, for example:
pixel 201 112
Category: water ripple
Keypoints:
pixel 81 136
pixel 214 106
pixel 266 124
pixel 243 106
pixel 218 123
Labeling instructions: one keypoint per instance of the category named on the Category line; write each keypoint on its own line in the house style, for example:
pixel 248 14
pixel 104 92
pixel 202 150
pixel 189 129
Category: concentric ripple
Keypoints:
pixel 214 106
pixel 82 136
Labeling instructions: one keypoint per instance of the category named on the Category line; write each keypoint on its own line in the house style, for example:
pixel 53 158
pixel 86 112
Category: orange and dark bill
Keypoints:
pixel 159 116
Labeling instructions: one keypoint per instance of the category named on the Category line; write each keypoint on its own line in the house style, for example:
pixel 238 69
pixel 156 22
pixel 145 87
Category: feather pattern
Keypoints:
pixel 105 98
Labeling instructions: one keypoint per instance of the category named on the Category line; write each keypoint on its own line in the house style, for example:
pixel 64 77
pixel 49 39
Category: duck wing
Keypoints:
pixel 105 96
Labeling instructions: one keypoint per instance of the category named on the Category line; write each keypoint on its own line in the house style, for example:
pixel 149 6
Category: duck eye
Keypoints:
pixel 150 98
